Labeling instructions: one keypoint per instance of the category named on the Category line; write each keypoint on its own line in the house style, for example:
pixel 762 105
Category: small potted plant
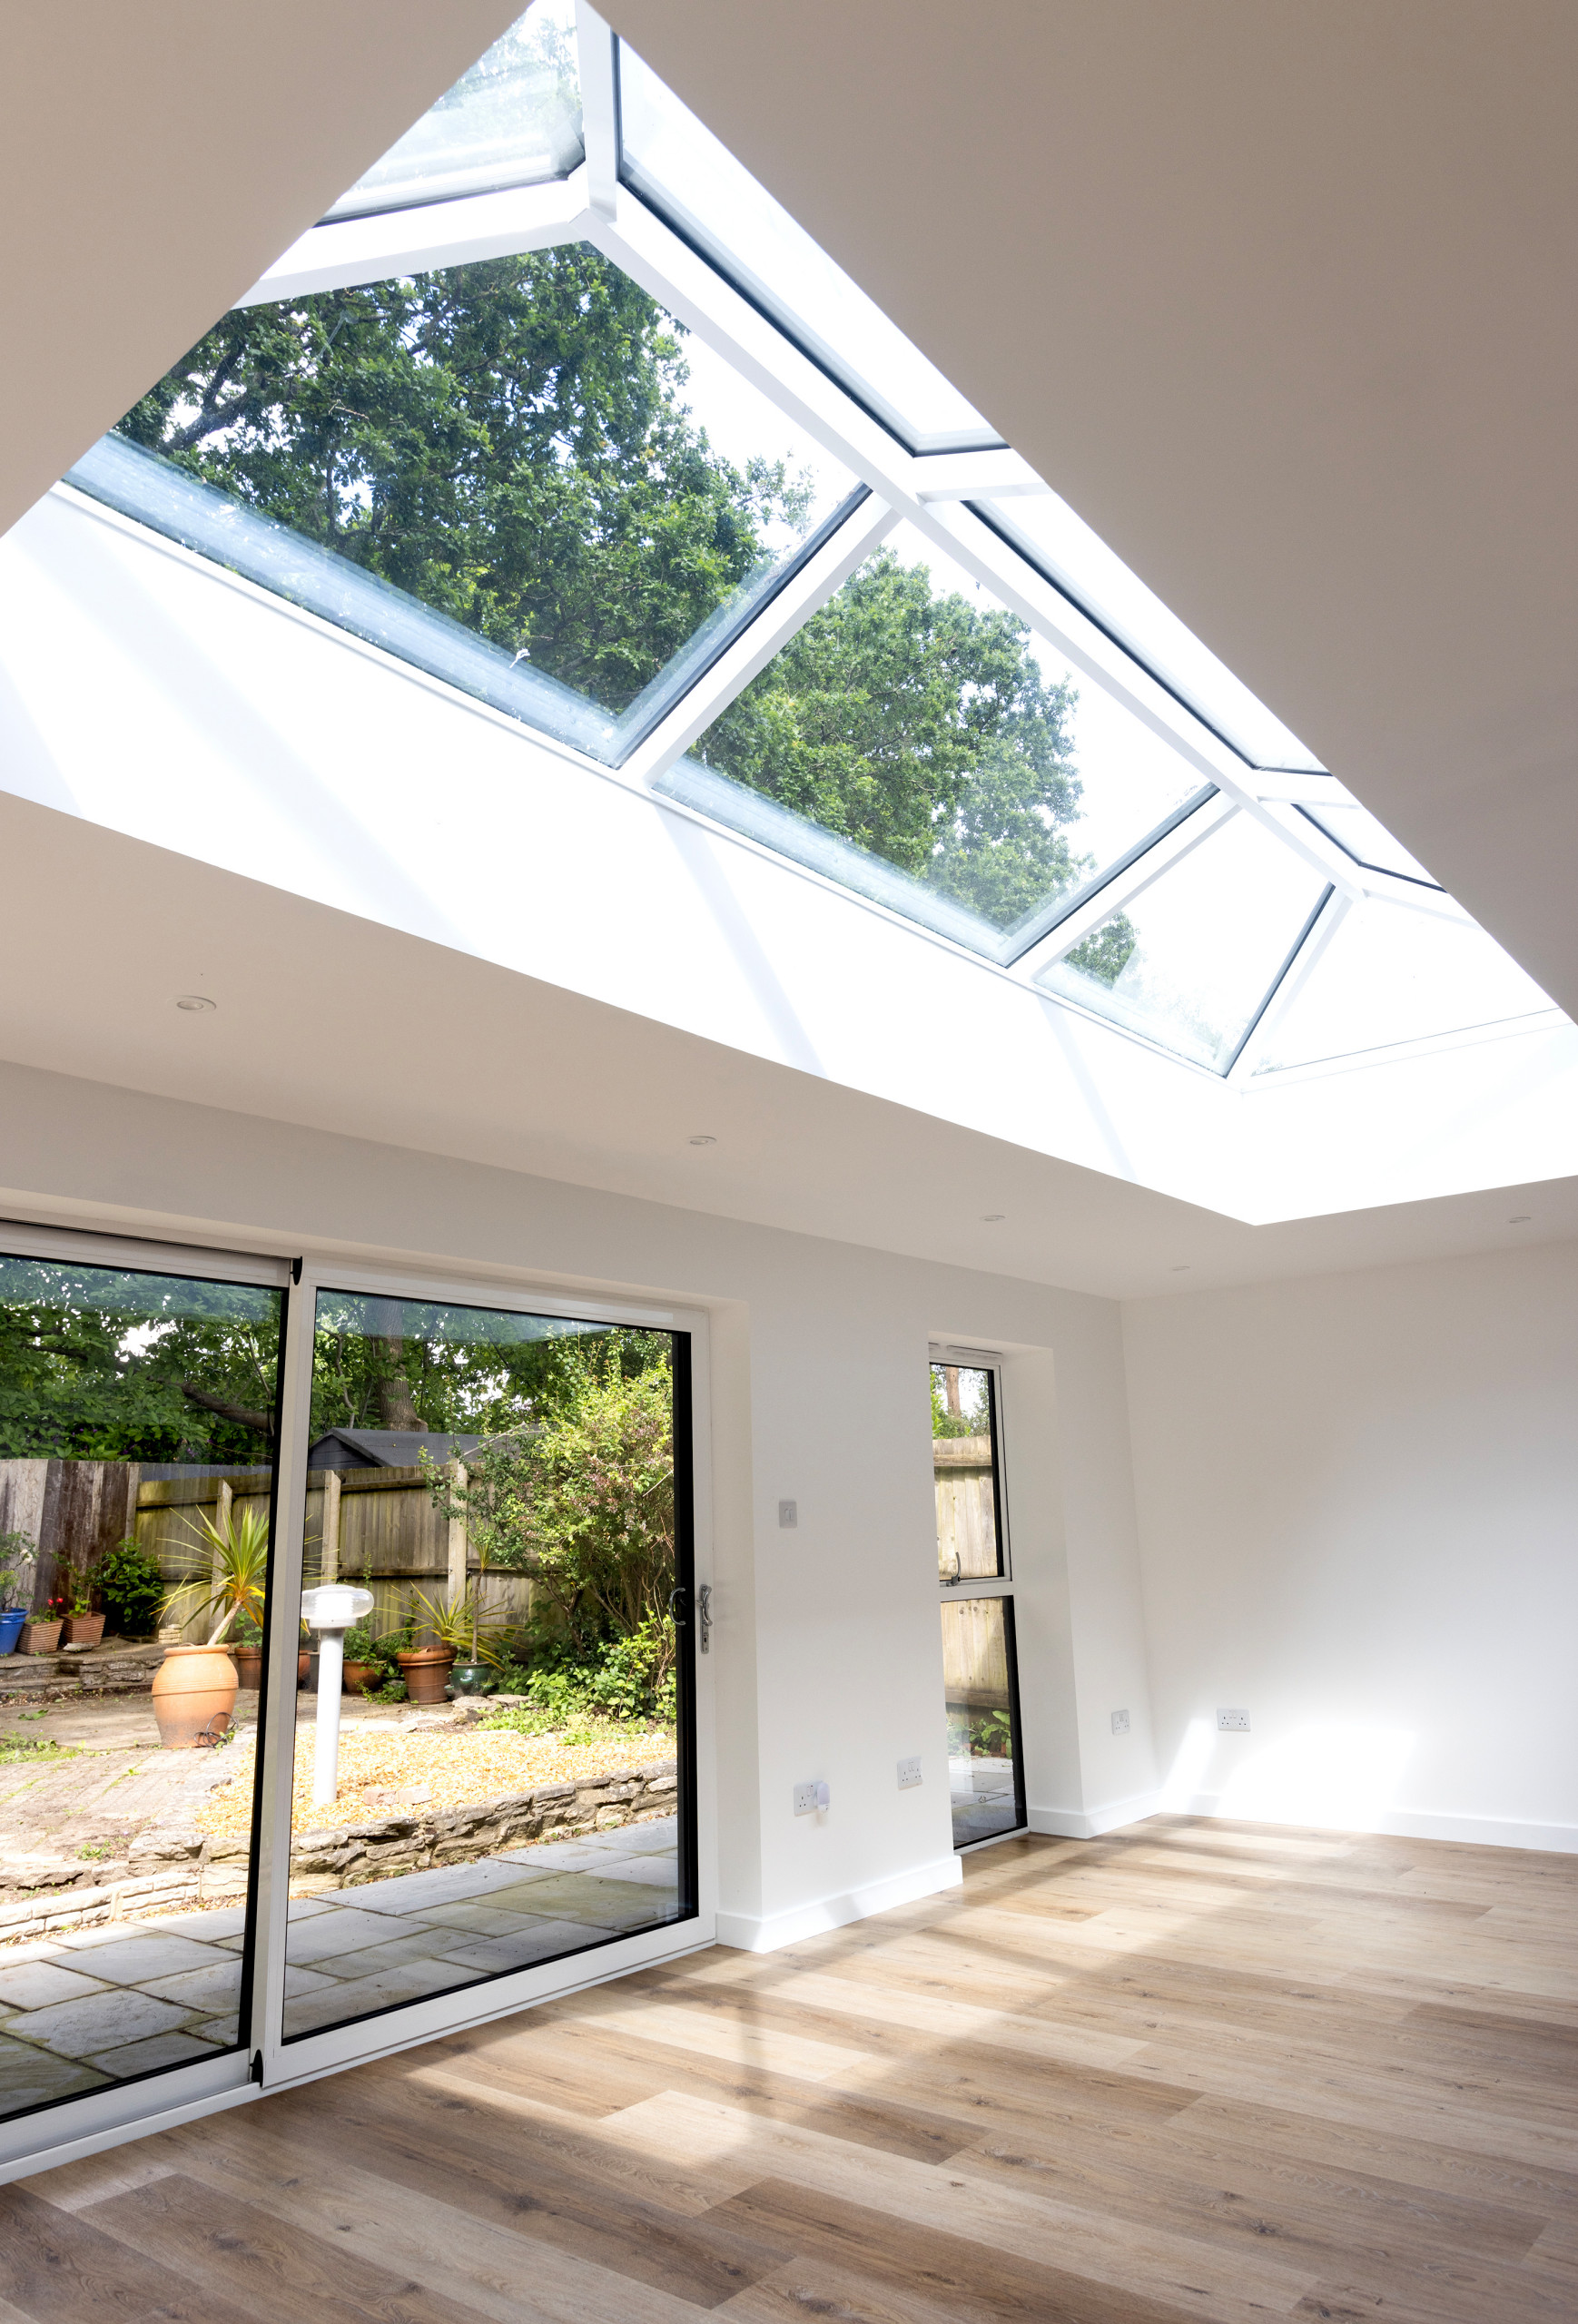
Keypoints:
pixel 247 1651
pixel 40 1632
pixel 82 1626
pixel 426 1669
pixel 363 1670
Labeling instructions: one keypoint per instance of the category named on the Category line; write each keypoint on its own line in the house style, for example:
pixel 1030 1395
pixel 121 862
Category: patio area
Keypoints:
pixel 99 2005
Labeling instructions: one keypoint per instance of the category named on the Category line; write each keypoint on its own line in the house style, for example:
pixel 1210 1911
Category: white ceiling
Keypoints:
pixel 1278 298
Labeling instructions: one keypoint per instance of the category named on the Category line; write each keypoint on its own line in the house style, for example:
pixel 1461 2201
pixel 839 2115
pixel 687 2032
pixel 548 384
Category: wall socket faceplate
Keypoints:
pixel 909 1773
pixel 810 1797
pixel 788 1513
pixel 1120 1722
pixel 1232 1722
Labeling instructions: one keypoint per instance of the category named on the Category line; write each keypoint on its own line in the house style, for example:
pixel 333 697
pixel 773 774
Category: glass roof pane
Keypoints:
pixel 1063 548
pixel 679 167
pixel 1391 974
pixel 915 741
pixel 521 475
pixel 513 119
pixel 1358 833
pixel 1190 960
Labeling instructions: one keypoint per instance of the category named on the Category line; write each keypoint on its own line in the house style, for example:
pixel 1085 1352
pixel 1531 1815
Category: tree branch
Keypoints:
pixel 262 1421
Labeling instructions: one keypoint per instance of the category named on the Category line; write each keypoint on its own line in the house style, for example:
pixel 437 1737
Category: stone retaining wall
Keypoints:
pixel 175 1866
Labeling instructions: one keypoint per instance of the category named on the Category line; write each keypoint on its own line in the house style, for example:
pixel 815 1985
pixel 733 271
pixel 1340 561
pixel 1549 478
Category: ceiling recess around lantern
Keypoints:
pixel 561 406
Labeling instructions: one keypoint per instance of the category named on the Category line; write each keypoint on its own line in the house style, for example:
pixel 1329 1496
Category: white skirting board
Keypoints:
pixel 765 1934
pixel 1401 1823
pixel 1089 1824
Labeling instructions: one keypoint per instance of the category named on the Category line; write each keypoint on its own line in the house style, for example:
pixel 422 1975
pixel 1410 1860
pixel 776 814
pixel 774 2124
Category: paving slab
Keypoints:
pixel 423 1943
pixel 475 1920
pixel 35 1984
pixel 147 2057
pixel 413 1892
pixel 546 1941
pixel 336 1932
pixel 217 1988
pixel 30 2077
pixel 138 1960
pixel 651 1871
pixel 224 2031
pixel 579 1896
pixel 359 1996
pixel 78 2029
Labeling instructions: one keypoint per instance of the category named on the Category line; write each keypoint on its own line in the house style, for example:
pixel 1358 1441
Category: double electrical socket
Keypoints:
pixel 810 1796
pixel 1120 1722
pixel 909 1773
pixel 1232 1722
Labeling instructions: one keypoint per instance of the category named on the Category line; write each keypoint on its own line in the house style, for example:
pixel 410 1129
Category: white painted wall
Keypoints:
pixel 1358 1512
pixel 827 1658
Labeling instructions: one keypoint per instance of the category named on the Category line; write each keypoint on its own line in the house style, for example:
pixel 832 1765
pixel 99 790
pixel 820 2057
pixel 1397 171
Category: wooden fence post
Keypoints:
pixel 458 1545
pixel 328 1568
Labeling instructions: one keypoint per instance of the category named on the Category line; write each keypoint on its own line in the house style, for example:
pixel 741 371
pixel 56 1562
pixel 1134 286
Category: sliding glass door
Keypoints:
pixel 350 1691
pixel 979 1667
pixel 139 1410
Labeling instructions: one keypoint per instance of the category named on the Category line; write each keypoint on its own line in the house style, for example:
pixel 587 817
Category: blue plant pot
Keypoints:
pixel 11 1629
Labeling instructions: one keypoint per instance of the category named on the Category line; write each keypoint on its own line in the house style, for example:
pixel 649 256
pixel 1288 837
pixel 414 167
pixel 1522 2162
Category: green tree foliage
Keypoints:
pixel 510 443
pixel 920 727
pixel 407 1364
pixel 96 1365
pixel 582 1502
pixel 507 441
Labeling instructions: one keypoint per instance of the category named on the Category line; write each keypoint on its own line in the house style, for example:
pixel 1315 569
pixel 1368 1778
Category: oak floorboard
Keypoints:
pixel 1222 2071
pixel 274 2272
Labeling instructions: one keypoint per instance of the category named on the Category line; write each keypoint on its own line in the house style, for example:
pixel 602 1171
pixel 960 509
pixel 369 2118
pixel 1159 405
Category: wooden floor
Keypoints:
pixel 1195 2070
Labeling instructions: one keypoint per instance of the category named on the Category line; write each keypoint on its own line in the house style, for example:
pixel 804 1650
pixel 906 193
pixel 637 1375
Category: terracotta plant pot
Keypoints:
pixel 363 1677
pixel 40 1637
pixel 194 1692
pixel 249 1663
pixel 426 1671
pixel 83 1630
pixel 303 1665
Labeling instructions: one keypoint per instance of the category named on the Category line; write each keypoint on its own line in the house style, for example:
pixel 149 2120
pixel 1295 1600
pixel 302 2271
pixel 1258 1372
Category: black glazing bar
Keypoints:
pixel 751 611
pixel 985 513
pixel 684 1579
pixel 1280 978
pixel 1016 1730
pixel 1066 905
pixel 1413 878
pixel 992 1418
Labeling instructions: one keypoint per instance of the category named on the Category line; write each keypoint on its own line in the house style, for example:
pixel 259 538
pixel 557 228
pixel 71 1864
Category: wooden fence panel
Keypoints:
pixel 974 1654
pixel 966 1523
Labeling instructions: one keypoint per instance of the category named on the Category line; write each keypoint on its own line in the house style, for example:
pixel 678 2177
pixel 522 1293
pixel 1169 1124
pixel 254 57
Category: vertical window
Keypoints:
pixel 980 1678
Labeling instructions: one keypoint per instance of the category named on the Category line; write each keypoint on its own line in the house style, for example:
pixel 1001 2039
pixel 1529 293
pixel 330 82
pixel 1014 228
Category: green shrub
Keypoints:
pixel 132 1589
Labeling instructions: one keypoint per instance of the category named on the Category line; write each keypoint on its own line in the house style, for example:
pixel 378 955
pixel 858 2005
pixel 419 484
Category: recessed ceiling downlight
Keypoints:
pixel 195 1001
pixel 992 1217
pixel 702 1138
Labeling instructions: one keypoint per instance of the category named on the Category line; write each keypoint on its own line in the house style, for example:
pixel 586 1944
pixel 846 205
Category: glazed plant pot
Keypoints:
pixel 470 1678
pixel 363 1677
pixel 83 1630
pixel 194 1692
pixel 249 1664
pixel 40 1637
pixel 426 1671
pixel 11 1629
